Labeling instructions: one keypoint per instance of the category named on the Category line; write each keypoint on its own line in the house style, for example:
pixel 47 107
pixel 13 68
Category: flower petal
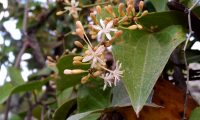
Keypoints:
pixel 67 8
pixel 100 50
pixel 113 29
pixel 73 2
pixel 102 24
pixel 94 61
pixel 108 36
pixel 105 85
pixel 76 4
pixel 87 58
pixel 109 25
pixel 101 61
pixel 97 27
pixel 99 35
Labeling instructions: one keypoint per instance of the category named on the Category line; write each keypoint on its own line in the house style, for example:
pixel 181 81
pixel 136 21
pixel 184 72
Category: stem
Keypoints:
pixel 88 40
pixel 185 59
pixel 106 69
pixel 18 59
pixel 25 19
pixel 123 27
pixel 7 108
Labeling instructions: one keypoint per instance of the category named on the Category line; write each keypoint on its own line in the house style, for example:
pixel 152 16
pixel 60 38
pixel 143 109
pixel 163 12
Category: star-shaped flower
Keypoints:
pixel 117 73
pixel 104 29
pixel 73 8
pixel 108 80
pixel 95 56
pixel 112 77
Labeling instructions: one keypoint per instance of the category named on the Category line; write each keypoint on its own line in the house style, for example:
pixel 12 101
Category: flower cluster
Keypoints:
pixel 105 30
pixel 95 57
pixel 127 16
pixel 72 7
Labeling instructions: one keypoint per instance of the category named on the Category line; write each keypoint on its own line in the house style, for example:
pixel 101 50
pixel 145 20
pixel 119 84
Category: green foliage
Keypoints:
pixel 62 111
pixel 64 96
pixel 83 116
pixel 93 93
pixel 154 21
pixel 195 114
pixel 143 56
pixel 160 5
pixel 15 76
pixel 9 88
pixel 5 90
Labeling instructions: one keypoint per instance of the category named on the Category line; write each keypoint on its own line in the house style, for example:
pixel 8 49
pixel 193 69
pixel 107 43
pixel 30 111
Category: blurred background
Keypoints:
pixel 30 31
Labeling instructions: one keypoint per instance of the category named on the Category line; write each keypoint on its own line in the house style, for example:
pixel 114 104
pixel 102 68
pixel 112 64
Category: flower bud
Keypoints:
pixel 141 5
pixel 132 27
pixel 139 26
pixel 80 33
pixel 79 25
pixel 92 15
pixel 77 62
pixel 144 13
pixel 87 52
pixel 124 19
pixel 67 71
pixel 77 58
pixel 60 12
pixel 109 9
pixel 133 11
pixel 120 9
pixel 98 8
pixel 77 71
pixel 78 44
pixel 85 79
pixel 97 73
pixel 118 33
pixel 129 10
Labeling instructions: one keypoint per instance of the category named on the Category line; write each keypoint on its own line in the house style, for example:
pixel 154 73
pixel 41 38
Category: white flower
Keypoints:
pixel 117 73
pixel 113 76
pixel 95 56
pixel 104 29
pixel 108 80
pixel 73 9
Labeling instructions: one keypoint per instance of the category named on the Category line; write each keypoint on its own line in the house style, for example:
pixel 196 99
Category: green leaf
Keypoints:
pixel 64 96
pixel 159 20
pixel 143 56
pixel 15 76
pixel 120 96
pixel 29 86
pixel 82 116
pixel 5 91
pixel 160 5
pixel 67 81
pixel 195 115
pixel 8 88
pixel 93 116
pixel 91 96
pixel 62 112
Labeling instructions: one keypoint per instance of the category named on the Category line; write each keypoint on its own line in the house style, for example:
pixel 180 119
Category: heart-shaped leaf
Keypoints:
pixel 143 56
